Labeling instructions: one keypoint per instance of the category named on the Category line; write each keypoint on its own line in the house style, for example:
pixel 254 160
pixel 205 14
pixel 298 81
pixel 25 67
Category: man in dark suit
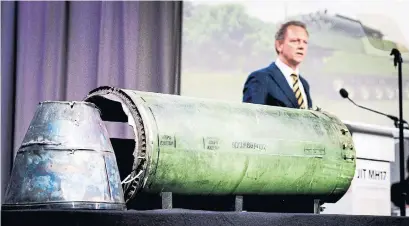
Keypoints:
pixel 280 84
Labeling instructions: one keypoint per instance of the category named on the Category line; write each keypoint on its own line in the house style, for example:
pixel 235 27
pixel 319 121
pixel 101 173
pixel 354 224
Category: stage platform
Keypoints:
pixel 182 217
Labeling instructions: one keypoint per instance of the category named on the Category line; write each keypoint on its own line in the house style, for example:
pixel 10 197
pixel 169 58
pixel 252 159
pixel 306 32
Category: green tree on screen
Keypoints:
pixel 224 35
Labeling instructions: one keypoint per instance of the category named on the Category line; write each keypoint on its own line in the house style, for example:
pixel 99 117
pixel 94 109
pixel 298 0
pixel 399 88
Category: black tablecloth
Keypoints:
pixel 186 217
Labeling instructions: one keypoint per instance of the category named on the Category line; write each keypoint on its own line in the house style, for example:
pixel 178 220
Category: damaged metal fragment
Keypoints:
pixel 205 147
pixel 65 161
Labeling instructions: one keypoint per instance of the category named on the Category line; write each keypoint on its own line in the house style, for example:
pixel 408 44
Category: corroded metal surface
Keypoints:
pixel 65 161
pixel 198 146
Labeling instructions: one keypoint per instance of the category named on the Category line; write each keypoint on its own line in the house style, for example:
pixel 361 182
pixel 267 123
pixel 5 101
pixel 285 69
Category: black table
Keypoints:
pixel 182 217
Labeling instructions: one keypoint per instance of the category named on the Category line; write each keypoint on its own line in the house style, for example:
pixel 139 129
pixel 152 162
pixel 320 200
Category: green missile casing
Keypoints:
pixel 197 146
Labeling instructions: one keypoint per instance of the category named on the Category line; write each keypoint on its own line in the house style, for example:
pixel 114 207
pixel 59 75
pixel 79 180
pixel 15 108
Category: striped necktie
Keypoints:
pixel 297 91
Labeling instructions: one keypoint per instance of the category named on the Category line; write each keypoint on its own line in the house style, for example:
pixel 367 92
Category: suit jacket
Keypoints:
pixel 268 86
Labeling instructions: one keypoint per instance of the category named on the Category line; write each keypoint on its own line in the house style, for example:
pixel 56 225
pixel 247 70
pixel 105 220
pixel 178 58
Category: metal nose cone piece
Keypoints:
pixel 66 161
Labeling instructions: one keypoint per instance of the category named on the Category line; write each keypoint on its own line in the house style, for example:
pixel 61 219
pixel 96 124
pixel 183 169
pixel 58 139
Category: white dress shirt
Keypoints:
pixel 287 71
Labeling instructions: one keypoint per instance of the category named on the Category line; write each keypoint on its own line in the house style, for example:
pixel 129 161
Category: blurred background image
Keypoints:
pixel 349 47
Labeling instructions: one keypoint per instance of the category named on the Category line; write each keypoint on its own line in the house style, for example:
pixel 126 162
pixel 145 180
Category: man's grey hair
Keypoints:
pixel 280 35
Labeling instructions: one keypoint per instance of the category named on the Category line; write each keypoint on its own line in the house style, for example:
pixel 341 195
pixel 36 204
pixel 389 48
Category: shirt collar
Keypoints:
pixel 285 69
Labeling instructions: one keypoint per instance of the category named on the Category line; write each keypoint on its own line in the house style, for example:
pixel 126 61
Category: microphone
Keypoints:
pixel 344 94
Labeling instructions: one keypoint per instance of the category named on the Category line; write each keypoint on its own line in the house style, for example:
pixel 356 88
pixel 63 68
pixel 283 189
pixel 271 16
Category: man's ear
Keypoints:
pixel 279 45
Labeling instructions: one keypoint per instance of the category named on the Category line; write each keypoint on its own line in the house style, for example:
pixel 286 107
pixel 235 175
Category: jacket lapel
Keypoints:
pixel 306 90
pixel 282 83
